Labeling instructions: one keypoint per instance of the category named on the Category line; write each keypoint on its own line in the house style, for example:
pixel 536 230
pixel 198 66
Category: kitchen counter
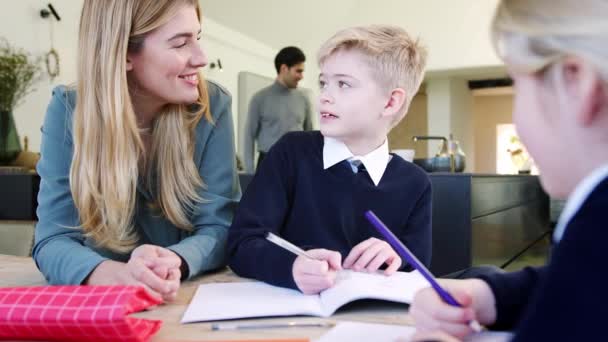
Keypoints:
pixel 481 219
pixel 477 218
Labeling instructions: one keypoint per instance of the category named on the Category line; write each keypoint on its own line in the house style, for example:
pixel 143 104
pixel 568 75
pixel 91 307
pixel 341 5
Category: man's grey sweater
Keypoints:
pixel 274 111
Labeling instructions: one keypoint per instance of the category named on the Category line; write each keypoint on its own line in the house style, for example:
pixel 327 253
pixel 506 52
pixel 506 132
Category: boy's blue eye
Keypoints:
pixel 322 84
pixel 343 84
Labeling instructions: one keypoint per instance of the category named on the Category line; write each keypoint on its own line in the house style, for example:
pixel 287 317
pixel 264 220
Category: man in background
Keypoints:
pixel 278 108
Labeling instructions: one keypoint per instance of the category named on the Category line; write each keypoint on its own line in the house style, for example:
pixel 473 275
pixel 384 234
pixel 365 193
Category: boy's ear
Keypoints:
pixel 586 89
pixel 395 103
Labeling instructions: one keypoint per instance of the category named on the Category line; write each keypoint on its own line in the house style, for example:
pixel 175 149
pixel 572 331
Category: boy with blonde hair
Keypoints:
pixel 314 187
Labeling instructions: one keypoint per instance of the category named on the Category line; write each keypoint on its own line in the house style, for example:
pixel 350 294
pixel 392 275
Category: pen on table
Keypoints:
pixel 287 245
pixel 253 326
pixel 405 253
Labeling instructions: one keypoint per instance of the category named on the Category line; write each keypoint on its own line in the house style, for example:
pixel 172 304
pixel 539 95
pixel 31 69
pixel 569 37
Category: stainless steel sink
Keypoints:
pixel 440 164
pixel 449 158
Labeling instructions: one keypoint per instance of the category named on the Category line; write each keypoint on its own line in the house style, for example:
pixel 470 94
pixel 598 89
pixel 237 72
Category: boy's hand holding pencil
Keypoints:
pixel 313 275
pixel 313 270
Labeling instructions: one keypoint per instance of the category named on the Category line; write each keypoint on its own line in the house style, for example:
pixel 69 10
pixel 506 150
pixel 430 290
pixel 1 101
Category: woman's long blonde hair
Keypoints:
pixel 531 35
pixel 107 145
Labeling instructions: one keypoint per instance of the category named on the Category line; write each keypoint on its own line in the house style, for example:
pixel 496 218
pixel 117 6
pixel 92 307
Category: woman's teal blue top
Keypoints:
pixel 65 256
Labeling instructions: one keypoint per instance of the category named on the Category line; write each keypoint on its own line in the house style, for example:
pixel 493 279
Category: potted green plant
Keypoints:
pixel 19 71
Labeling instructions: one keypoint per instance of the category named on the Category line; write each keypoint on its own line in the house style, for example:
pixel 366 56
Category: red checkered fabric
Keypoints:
pixel 75 313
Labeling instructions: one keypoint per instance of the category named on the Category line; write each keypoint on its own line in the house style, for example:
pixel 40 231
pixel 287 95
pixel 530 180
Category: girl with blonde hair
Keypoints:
pixel 556 51
pixel 138 180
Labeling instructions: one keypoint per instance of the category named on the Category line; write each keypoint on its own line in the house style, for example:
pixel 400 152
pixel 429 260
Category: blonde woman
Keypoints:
pixel 138 180
pixel 557 53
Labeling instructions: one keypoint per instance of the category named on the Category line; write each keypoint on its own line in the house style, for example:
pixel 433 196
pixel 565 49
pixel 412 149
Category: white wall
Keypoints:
pixel 23 27
pixel 21 24
pixel 455 31
pixel 237 53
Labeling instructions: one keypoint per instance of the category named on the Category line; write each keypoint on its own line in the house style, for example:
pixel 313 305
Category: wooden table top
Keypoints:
pixel 21 271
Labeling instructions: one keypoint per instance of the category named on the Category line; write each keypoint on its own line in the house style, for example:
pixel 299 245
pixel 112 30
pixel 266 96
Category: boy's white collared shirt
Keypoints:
pixel 577 198
pixel 375 162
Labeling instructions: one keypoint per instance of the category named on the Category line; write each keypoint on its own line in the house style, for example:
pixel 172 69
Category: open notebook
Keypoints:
pixel 220 301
